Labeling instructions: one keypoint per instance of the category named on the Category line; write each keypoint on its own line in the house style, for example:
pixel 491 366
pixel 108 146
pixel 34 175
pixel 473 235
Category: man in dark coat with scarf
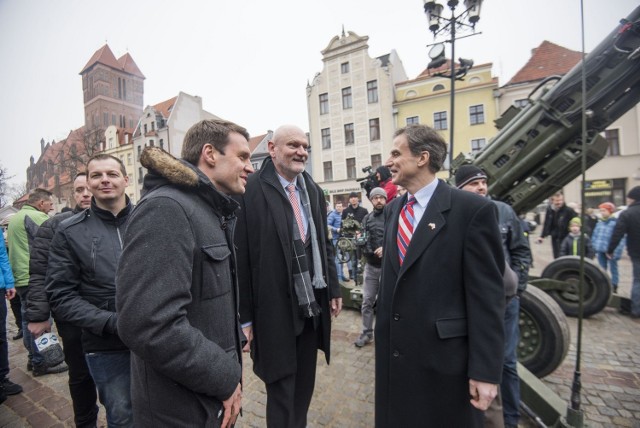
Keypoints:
pixel 288 283
pixel 439 330
pixel 177 291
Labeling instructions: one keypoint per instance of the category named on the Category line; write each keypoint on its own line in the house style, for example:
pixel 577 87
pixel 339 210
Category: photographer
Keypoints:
pixel 370 181
pixel 383 175
pixel 372 229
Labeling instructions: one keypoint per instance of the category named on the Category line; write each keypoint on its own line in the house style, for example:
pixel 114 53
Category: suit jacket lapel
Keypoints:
pixel 277 202
pixel 432 222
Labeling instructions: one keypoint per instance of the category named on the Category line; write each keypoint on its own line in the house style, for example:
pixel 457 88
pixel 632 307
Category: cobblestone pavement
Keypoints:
pixel 344 390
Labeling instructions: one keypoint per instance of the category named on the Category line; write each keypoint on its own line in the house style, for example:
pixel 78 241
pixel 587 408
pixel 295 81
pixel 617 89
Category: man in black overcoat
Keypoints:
pixel 288 283
pixel 439 330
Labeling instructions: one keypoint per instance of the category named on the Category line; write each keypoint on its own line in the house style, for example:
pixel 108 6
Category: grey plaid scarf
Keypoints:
pixel 303 285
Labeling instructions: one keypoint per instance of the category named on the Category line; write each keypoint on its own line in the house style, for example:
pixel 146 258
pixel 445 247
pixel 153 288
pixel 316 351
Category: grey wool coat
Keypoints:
pixel 177 297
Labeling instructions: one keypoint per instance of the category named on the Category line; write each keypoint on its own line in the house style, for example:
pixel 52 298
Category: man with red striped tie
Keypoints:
pixel 439 331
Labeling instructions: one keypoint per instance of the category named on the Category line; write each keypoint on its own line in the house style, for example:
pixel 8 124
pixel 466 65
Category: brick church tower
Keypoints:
pixel 113 91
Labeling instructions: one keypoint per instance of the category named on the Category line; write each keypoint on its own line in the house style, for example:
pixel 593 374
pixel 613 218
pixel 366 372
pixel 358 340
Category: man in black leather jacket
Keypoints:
pixel 38 313
pixel 81 283
pixel 556 222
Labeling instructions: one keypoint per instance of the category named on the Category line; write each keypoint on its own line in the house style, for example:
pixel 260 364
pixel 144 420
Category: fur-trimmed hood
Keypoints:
pixel 176 171
pixel 165 169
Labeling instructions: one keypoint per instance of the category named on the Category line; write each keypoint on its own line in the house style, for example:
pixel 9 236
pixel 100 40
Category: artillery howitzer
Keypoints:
pixel 537 151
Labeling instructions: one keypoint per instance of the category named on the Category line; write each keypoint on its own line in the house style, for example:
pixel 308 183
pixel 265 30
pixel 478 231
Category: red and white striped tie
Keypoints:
pixel 291 188
pixel 405 228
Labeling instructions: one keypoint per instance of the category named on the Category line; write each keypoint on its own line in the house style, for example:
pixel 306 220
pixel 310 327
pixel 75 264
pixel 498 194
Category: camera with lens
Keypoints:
pixel 369 182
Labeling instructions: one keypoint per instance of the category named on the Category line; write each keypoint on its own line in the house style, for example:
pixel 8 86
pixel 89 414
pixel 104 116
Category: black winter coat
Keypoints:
pixel 264 240
pixel 38 309
pixel 81 276
pixel 441 314
pixel 556 223
pixel 358 212
pixel 373 230
pixel 628 223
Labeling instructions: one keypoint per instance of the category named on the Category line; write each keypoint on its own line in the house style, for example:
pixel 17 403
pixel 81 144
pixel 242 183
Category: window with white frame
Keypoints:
pixel 477 144
pixel 324 103
pixel 372 91
pixel 349 137
pixel 328 170
pixel 347 101
pixel 351 167
pixel 440 120
pixel 326 138
pixel 374 129
pixel 476 114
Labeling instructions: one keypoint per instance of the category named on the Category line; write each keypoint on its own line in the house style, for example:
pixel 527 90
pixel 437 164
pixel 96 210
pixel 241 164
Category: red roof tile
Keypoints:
pixel 129 65
pixel 546 60
pixel 165 107
pixel 103 56
pixel 254 141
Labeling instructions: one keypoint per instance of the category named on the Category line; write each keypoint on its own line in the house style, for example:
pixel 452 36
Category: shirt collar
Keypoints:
pixel 284 182
pixel 424 195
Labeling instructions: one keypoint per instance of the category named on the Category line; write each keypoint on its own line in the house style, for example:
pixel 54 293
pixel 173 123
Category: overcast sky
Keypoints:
pixel 249 60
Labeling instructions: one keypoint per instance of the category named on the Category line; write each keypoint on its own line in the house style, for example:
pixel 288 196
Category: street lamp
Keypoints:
pixel 465 21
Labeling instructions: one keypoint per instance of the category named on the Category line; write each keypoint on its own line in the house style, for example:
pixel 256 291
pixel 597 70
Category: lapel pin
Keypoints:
pixel 432 226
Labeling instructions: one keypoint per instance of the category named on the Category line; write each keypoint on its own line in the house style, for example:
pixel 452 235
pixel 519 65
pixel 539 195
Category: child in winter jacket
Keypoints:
pixel 602 236
pixel 571 244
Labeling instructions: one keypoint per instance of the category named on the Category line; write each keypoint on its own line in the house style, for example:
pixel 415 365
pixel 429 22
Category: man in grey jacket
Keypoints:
pixel 177 295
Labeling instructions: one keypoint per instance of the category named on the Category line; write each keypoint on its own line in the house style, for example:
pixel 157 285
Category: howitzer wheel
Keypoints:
pixel 597 285
pixel 544 333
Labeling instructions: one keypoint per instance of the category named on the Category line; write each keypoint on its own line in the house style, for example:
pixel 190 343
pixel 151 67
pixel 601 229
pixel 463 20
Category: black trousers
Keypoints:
pixel 556 244
pixel 81 386
pixel 16 306
pixel 288 399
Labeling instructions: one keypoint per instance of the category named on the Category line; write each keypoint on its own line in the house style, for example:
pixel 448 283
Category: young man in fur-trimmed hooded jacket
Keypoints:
pixel 178 304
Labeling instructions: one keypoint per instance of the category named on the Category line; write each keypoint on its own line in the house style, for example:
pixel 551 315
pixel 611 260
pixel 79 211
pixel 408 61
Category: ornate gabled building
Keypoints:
pixel 259 146
pixel 164 125
pixel 350 106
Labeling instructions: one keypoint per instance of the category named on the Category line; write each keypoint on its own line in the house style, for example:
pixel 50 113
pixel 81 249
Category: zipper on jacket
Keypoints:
pixel 93 253
pixel 119 237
